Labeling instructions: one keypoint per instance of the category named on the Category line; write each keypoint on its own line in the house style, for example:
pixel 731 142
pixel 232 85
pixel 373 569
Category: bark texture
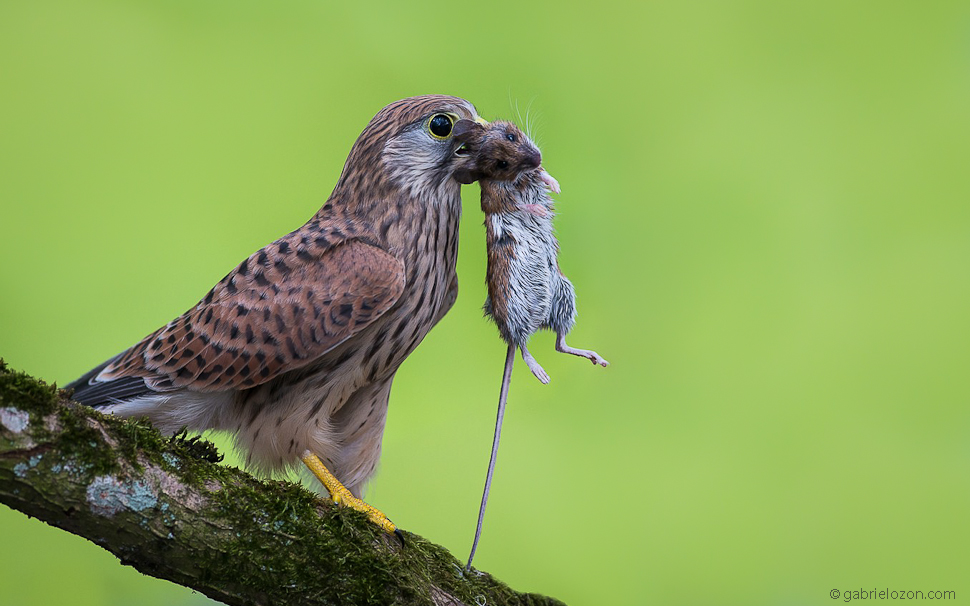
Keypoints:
pixel 165 507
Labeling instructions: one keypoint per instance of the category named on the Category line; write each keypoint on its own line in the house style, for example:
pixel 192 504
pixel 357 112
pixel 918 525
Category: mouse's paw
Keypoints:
pixel 534 366
pixel 539 372
pixel 535 209
pixel 590 355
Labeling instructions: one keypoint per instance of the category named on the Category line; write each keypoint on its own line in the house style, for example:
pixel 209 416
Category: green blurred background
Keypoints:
pixel 765 211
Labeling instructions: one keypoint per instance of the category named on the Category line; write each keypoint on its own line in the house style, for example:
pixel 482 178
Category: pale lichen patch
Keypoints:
pixel 172 460
pixel 20 469
pixel 14 419
pixel 107 496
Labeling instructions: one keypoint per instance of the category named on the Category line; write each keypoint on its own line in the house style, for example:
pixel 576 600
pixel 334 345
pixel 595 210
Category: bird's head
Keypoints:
pixel 410 145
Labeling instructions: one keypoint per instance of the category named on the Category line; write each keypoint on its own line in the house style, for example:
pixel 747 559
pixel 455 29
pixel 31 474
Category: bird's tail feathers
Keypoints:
pixel 106 393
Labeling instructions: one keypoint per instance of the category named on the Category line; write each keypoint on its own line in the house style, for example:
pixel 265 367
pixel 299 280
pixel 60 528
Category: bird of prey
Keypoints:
pixel 295 349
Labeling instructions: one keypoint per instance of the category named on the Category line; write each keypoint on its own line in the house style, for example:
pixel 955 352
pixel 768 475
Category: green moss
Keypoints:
pixel 25 392
pixel 268 518
pixel 137 437
pixel 82 443
pixel 271 534
pixel 85 445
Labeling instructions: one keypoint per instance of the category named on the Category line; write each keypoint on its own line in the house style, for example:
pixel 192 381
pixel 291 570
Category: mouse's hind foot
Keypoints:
pixel 534 366
pixel 592 356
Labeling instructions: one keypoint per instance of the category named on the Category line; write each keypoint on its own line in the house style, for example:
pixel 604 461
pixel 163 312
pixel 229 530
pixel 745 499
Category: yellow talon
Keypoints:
pixel 342 496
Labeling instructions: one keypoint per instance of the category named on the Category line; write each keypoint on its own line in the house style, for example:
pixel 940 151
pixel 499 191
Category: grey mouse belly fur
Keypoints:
pixel 535 293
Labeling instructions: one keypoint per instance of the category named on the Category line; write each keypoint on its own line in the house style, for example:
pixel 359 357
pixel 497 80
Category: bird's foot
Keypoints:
pixel 342 496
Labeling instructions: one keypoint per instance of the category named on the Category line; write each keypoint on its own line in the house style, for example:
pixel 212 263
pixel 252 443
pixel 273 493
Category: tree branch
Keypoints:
pixel 164 507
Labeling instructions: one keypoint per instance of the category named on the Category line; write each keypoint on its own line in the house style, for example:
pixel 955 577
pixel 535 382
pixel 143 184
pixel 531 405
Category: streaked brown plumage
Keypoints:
pixel 296 348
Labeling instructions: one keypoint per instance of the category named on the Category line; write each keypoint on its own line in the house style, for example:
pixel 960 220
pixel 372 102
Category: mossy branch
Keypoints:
pixel 162 506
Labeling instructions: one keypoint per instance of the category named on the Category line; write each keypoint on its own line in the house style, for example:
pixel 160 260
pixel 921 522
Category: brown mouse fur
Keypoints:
pixel 501 156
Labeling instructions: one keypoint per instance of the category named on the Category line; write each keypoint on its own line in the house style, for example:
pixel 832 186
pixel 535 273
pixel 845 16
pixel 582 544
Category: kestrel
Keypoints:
pixel 295 349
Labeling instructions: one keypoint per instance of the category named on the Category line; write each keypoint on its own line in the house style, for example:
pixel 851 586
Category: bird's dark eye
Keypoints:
pixel 510 137
pixel 502 164
pixel 440 125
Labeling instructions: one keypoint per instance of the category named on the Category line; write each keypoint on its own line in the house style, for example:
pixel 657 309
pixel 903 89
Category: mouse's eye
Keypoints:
pixel 502 164
pixel 510 137
pixel 440 126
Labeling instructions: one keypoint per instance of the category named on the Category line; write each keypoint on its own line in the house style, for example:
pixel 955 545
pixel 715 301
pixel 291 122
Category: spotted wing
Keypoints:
pixel 283 307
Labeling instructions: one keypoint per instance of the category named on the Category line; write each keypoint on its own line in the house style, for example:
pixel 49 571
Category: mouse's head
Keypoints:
pixel 499 151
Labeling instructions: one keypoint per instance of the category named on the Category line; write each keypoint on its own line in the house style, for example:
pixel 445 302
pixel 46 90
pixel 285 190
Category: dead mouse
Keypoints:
pixel 526 290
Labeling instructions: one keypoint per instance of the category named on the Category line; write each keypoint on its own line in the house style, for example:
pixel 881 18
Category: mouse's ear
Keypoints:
pixel 467 131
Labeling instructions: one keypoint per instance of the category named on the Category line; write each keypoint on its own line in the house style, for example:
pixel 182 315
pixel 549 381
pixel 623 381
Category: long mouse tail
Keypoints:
pixel 503 396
